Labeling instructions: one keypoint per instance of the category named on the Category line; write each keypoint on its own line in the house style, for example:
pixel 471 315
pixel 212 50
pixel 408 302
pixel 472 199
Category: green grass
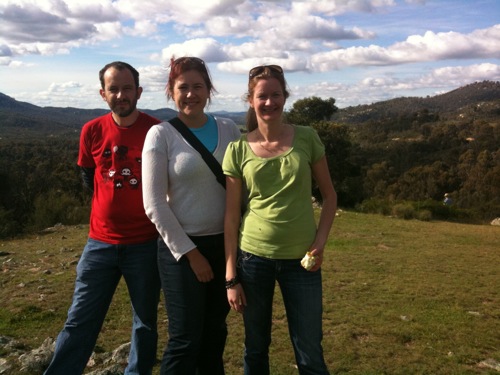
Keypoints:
pixel 400 297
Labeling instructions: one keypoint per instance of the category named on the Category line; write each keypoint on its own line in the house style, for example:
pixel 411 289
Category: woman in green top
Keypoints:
pixel 274 165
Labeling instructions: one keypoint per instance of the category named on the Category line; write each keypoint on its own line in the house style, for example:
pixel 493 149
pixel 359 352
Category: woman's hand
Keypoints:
pixel 318 258
pixel 236 298
pixel 200 266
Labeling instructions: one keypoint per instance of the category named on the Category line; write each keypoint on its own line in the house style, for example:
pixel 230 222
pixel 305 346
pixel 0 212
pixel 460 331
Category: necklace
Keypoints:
pixel 273 149
pixel 266 148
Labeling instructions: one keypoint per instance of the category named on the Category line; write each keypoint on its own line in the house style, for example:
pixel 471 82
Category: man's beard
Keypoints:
pixel 124 112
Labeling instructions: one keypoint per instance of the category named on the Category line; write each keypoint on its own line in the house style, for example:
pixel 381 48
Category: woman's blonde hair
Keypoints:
pixel 256 74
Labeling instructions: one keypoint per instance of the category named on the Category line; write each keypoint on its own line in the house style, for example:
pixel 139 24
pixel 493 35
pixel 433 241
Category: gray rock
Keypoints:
pixel 37 360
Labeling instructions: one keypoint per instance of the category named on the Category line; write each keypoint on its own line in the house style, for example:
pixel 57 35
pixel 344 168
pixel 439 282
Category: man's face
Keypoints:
pixel 120 91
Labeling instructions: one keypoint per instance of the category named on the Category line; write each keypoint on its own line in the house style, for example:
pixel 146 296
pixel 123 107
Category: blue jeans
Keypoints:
pixel 98 273
pixel 302 296
pixel 197 311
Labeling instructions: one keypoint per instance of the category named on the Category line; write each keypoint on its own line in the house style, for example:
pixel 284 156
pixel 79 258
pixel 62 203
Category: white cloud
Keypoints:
pixel 440 46
pixel 142 28
pixel 242 66
pixel 153 78
pixel 94 11
pixel 228 25
pixel 332 8
pixel 384 87
pixel 416 48
pixel 207 49
pixel 186 12
pixel 26 24
pixel 456 76
pixel 65 94
pixel 108 31
pixel 5 61
pixel 61 87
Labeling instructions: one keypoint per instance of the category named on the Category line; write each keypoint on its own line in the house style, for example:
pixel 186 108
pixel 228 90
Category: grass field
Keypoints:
pixel 400 297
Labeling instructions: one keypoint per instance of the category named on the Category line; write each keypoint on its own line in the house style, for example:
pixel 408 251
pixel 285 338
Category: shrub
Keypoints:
pixel 8 226
pixel 57 207
pixel 437 208
pixel 424 215
pixel 421 210
pixel 404 211
pixel 375 206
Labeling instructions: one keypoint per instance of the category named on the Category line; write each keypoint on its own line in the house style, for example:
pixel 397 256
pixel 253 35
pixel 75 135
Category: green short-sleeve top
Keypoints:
pixel 279 220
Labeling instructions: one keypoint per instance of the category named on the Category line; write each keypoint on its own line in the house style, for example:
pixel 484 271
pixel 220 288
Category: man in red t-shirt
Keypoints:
pixel 122 240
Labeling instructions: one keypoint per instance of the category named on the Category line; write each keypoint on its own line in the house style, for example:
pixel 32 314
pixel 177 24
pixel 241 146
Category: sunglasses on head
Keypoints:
pixel 260 69
pixel 188 59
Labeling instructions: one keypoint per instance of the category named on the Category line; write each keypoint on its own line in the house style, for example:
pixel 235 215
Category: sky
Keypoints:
pixel 355 51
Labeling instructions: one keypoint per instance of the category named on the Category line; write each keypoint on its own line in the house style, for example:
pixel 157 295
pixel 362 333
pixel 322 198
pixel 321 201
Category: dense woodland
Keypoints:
pixel 397 157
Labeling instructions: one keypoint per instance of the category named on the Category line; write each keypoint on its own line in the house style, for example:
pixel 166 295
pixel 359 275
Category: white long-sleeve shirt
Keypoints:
pixel 181 194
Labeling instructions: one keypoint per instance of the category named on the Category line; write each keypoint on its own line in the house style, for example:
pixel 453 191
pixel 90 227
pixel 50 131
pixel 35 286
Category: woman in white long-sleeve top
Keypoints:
pixel 186 203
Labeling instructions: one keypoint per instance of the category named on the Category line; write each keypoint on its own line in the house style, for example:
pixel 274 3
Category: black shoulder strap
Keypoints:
pixel 200 147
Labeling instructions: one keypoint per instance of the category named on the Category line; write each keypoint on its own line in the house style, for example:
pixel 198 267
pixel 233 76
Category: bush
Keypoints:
pixel 8 226
pixel 437 209
pixel 375 206
pixel 57 207
pixel 424 215
pixel 440 211
pixel 404 211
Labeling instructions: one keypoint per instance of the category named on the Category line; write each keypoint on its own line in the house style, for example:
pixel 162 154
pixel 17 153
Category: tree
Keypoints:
pixel 480 189
pixel 310 110
pixel 377 179
pixel 426 182
pixel 345 173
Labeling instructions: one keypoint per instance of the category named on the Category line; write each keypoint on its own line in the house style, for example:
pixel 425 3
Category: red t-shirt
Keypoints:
pixel 117 215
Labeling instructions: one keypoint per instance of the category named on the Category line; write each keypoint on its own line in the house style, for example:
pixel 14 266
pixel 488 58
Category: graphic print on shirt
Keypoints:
pixel 120 168
pixel 121 151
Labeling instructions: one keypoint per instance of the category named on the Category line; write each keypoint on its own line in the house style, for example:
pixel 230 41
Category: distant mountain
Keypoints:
pixel 237 117
pixel 450 103
pixel 8 103
pixel 21 120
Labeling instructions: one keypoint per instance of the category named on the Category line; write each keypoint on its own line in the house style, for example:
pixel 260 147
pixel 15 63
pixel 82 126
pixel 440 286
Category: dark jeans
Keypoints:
pixel 98 272
pixel 302 296
pixel 196 311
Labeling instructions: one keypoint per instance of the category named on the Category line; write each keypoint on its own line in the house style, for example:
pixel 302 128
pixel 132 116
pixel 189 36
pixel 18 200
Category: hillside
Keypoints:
pixel 20 120
pixel 449 105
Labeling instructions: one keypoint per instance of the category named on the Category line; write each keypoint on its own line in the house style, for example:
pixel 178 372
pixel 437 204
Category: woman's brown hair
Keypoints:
pixel 184 64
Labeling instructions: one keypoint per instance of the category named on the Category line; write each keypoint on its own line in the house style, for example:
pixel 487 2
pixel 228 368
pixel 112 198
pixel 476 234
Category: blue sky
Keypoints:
pixel 356 51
